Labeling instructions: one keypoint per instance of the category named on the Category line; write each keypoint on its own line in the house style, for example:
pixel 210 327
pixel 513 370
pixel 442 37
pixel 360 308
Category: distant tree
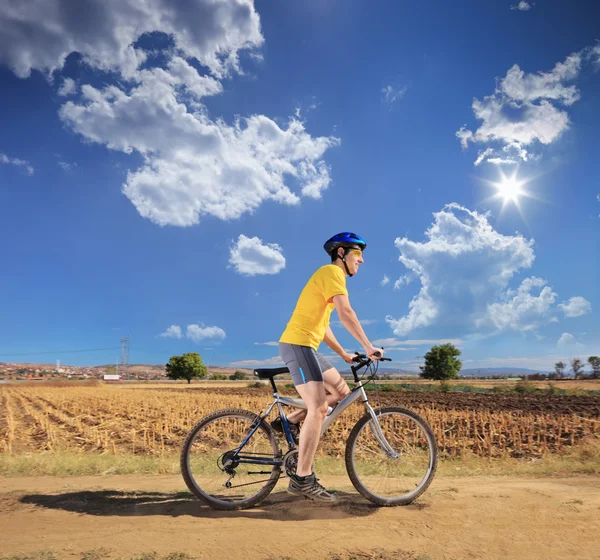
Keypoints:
pixel 238 376
pixel 188 366
pixel 594 362
pixel 441 362
pixel 577 367
pixel 559 369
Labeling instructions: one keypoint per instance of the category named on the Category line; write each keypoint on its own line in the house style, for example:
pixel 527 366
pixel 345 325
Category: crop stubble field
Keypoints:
pixel 154 421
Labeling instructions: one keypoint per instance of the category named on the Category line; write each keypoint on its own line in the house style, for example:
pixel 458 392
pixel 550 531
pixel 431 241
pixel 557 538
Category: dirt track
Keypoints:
pixel 488 518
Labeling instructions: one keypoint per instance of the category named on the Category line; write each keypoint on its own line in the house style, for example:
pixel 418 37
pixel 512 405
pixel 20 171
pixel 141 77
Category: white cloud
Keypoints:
pixel 465 267
pixel 404 280
pixel 68 87
pixel 200 332
pixel 523 111
pixel 391 342
pixel 274 361
pixel 4 159
pixel 522 310
pixel 250 257
pixel 385 280
pixel 66 165
pixel 272 343
pixel 567 341
pixel 193 165
pixel 195 332
pixel 576 306
pixel 522 6
pixel 40 35
pixel 174 331
pixel 391 95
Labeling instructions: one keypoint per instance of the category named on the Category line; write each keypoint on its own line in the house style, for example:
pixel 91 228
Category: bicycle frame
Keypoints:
pixel 357 393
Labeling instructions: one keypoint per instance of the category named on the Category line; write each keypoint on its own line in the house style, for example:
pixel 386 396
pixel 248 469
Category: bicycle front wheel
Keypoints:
pixel 221 474
pixel 400 474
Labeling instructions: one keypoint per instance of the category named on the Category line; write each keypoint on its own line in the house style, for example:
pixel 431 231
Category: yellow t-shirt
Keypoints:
pixel 311 316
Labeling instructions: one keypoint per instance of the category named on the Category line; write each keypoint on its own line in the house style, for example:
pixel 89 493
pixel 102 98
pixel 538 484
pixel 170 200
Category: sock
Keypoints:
pixel 302 478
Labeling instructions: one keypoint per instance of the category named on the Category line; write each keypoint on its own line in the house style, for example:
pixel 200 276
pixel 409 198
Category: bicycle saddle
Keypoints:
pixel 269 373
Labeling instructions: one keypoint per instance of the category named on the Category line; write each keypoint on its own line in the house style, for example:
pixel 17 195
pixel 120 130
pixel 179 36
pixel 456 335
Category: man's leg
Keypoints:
pixel 335 387
pixel 313 394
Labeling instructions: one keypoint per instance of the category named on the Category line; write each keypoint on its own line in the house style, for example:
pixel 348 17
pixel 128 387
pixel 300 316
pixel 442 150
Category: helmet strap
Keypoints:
pixel 344 261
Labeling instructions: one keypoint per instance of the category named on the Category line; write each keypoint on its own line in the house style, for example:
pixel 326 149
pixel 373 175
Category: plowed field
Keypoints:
pixel 155 421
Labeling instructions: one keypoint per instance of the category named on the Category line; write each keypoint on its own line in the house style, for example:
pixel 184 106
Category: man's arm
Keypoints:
pixel 352 324
pixel 332 342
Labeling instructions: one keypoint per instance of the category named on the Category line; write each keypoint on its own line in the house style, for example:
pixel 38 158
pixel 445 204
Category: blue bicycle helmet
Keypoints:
pixel 345 239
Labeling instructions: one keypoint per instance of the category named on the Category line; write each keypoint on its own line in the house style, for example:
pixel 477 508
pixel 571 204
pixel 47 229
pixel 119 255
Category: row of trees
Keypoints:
pixel 441 363
pixel 577 368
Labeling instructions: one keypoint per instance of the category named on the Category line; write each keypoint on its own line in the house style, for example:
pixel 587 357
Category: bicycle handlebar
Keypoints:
pixel 360 357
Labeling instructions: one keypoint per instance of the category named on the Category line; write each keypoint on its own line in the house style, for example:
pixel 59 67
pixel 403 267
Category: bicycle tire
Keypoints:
pixel 197 490
pixel 355 478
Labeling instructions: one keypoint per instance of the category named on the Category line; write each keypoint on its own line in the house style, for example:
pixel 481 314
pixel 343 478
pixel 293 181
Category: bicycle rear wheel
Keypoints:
pixel 218 476
pixel 379 476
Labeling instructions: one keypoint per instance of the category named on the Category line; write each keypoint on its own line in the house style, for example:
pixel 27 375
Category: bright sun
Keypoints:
pixel 509 189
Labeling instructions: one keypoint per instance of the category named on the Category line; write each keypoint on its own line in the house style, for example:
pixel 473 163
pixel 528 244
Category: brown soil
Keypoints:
pixel 485 517
pixel 582 405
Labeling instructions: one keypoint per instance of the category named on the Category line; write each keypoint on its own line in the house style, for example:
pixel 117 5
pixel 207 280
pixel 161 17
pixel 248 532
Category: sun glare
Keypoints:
pixel 509 189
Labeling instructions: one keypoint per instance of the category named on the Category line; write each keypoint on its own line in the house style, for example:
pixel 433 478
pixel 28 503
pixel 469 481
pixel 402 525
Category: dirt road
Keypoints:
pixel 458 518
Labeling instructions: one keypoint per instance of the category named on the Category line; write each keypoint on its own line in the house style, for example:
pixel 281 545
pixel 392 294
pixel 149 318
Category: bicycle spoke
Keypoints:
pixel 379 474
pixel 222 449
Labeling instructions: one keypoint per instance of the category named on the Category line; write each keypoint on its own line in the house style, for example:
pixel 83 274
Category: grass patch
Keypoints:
pixel 41 555
pixel 100 554
pixel 65 463
pixel 582 459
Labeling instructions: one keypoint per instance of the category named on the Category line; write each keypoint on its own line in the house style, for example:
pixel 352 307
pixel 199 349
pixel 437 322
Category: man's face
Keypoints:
pixel 354 258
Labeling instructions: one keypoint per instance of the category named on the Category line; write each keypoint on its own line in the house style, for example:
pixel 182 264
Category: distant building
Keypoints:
pixel 111 377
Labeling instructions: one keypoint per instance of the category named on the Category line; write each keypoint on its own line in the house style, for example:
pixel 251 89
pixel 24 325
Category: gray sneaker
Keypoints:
pixel 309 487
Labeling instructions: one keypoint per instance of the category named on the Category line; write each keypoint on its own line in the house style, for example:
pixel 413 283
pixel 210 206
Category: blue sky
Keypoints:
pixel 171 174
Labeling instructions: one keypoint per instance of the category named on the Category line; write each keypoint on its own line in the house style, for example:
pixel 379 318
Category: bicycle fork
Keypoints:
pixel 377 431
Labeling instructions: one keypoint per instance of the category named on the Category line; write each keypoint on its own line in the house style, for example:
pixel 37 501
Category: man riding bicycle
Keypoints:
pixel 319 383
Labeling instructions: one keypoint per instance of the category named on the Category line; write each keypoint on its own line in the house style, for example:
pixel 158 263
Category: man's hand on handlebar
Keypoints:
pixel 374 353
pixel 377 355
pixel 348 358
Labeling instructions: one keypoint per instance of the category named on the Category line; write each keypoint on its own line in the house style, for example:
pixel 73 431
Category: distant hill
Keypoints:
pixel 157 371
pixel 472 372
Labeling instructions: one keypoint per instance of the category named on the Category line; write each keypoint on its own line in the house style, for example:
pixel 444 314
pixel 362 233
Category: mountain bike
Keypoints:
pixel 231 458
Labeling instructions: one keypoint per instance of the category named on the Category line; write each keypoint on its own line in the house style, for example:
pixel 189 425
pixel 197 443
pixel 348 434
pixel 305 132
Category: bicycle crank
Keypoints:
pixel 290 462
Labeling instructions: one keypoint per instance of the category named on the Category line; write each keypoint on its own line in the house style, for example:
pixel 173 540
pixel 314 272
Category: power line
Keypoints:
pixel 61 351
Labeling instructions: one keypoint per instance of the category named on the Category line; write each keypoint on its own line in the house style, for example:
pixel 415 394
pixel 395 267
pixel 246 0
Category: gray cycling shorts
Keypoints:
pixel 305 363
